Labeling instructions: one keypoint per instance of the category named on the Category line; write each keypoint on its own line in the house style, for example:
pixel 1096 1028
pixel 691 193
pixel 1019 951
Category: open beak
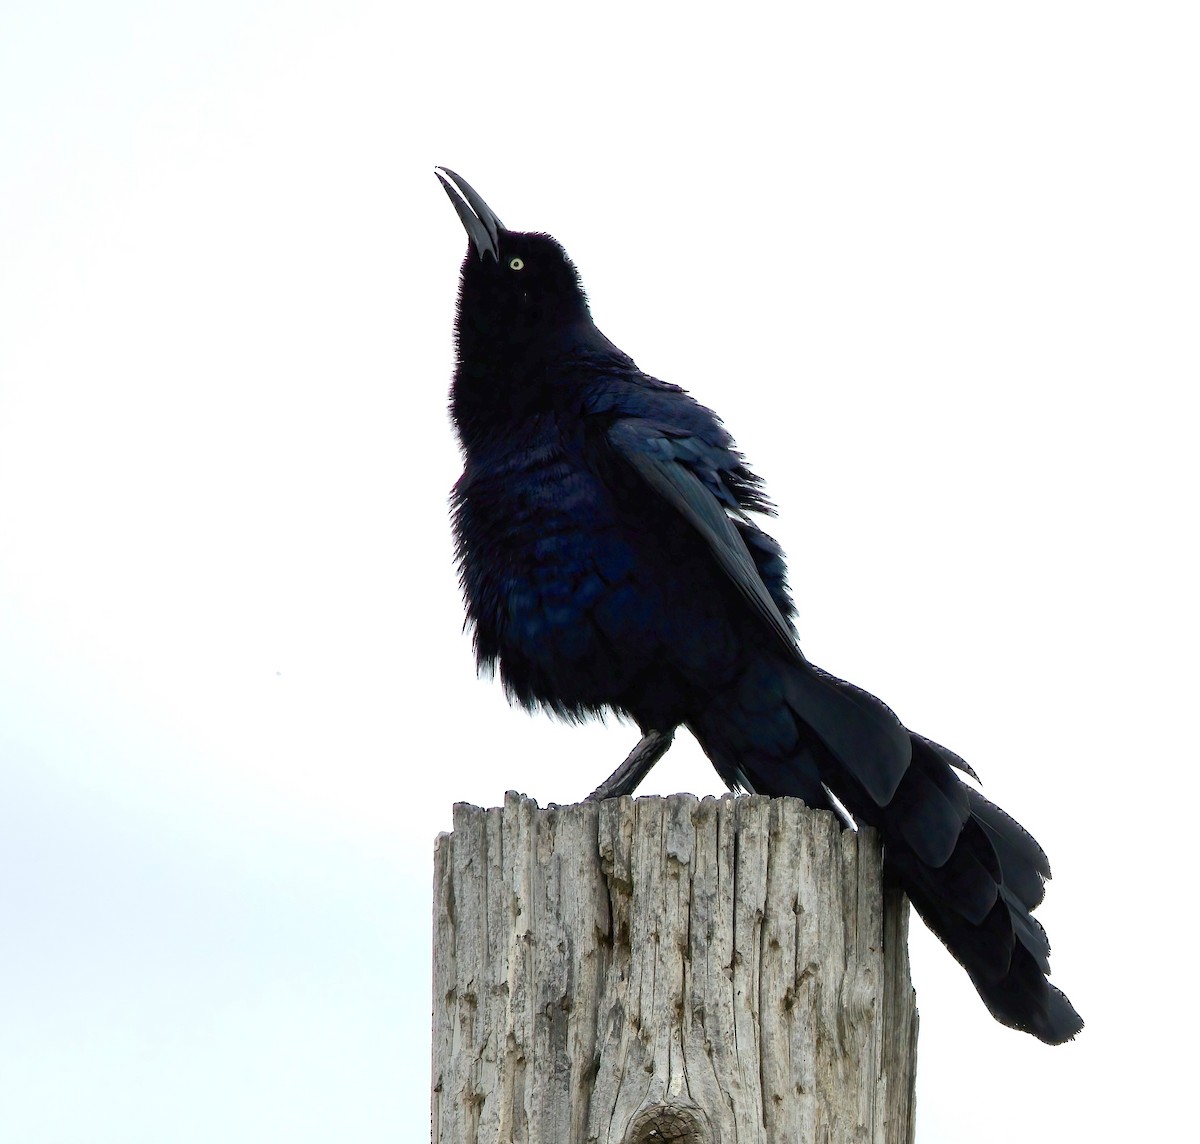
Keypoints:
pixel 479 220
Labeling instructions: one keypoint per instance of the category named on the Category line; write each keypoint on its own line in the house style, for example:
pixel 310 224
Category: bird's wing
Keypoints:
pixel 861 732
pixel 669 464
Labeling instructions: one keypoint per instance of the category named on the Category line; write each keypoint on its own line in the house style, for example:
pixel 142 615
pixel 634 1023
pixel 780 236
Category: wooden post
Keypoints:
pixel 657 970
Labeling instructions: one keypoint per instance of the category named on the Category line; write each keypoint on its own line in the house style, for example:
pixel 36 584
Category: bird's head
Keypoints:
pixel 515 288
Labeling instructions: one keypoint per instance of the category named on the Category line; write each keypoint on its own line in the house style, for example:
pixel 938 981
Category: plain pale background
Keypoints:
pixel 936 266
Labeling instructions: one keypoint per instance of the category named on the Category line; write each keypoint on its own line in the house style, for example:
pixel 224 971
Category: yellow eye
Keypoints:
pixel 516 264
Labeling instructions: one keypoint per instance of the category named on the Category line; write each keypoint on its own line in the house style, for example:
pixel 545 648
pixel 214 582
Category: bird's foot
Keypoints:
pixel 637 765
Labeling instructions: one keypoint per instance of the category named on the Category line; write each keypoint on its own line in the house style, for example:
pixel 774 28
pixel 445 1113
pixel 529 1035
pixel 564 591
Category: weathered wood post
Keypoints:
pixel 643 971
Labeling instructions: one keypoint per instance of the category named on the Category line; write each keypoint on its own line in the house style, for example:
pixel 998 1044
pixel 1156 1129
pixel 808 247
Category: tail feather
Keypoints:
pixel 978 902
pixel 972 872
pixel 929 809
pixel 1030 932
pixel 1026 868
pixel 946 755
pixel 861 732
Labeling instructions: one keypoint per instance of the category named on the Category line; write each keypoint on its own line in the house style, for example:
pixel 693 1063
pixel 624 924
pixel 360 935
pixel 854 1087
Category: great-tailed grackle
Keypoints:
pixel 609 561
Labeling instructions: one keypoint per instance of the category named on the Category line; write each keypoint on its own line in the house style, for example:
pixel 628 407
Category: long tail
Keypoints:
pixel 973 873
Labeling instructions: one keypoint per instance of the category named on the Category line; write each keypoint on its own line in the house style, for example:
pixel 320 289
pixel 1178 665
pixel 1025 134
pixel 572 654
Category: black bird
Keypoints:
pixel 609 562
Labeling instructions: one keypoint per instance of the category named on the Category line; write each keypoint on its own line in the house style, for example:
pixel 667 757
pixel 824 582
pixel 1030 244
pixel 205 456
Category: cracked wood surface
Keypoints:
pixel 657 970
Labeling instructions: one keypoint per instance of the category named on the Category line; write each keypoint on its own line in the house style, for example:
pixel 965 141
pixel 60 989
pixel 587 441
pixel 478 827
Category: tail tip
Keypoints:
pixel 1051 1018
pixel 1060 1022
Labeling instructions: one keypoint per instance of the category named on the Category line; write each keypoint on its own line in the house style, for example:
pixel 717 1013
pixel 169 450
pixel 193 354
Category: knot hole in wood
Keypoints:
pixel 669 1124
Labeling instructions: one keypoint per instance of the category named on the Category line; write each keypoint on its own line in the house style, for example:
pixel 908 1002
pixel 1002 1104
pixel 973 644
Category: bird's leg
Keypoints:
pixel 625 779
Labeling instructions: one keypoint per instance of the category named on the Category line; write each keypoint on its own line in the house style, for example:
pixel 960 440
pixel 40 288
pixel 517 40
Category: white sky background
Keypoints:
pixel 934 263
